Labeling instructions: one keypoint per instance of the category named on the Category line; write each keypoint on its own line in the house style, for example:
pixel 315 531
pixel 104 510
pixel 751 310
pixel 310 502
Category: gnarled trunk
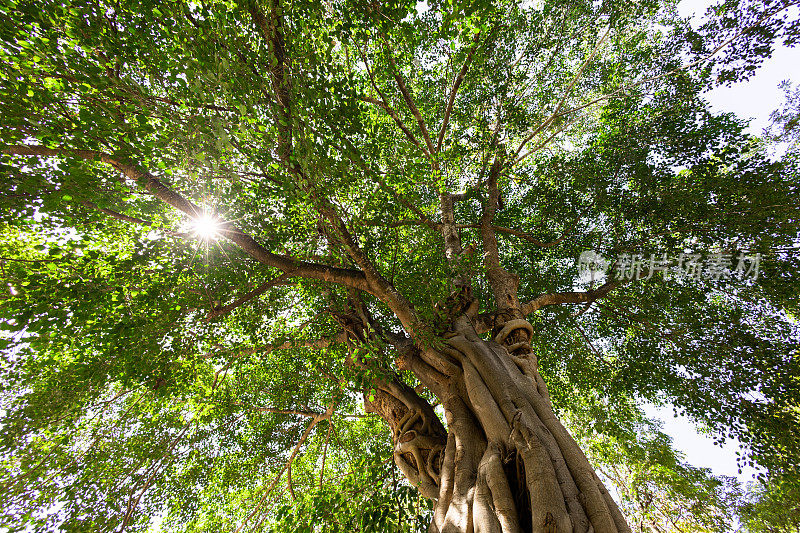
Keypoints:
pixel 507 464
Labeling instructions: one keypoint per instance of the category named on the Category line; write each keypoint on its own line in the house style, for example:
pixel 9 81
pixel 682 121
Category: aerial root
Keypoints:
pixel 410 442
pixel 512 325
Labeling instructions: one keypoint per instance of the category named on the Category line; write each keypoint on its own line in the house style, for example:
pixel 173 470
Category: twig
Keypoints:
pixel 258 291
pixel 303 438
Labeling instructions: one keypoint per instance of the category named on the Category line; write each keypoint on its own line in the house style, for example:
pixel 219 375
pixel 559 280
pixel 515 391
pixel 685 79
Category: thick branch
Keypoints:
pixel 452 240
pixel 288 265
pixel 272 31
pixel 486 321
pixel 504 284
pixel 569 297
pixel 490 250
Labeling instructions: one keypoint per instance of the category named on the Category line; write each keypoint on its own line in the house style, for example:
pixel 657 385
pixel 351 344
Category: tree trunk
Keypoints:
pixel 506 463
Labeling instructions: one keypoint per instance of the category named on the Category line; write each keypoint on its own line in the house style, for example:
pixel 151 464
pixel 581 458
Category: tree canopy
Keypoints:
pixel 223 223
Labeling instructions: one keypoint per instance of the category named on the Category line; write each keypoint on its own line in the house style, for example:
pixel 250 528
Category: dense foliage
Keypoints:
pixel 151 373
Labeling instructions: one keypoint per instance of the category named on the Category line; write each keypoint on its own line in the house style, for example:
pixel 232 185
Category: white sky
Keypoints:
pixel 759 96
pixel 754 99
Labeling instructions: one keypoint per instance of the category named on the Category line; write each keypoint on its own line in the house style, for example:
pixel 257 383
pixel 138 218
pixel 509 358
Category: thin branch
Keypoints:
pixel 454 90
pixel 323 416
pixel 417 211
pixel 320 343
pixel 133 220
pixel 669 73
pixel 564 97
pixel 307 414
pixel 258 291
pixel 409 100
pixel 544 143
pixel 524 235
pixel 397 223
pixel 289 480
pixel 132 505
pixel 590 345
pixel 355 157
pixel 383 103
pixel 325 454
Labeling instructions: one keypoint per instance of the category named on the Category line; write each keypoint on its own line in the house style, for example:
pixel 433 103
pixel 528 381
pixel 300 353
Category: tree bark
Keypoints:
pixel 507 464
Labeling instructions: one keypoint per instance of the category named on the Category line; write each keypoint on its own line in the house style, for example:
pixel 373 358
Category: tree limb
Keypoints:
pixel 383 103
pixel 486 321
pixel 454 90
pixel 569 297
pixel 288 265
pixel 272 31
pixel 258 291
pixel 566 94
pixel 409 100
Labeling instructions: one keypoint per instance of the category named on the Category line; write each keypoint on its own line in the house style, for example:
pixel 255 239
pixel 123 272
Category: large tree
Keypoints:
pixel 241 240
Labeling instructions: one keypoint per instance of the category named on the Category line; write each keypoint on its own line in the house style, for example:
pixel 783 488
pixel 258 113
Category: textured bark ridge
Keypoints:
pixel 417 433
pixel 508 464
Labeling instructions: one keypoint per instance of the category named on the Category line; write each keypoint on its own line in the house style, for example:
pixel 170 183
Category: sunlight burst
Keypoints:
pixel 206 227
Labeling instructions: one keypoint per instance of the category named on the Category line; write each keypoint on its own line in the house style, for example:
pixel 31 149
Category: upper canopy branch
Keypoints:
pixel 555 114
pixel 409 100
pixel 623 89
pixel 290 266
pixel 454 90
pixel 525 235
pixel 383 103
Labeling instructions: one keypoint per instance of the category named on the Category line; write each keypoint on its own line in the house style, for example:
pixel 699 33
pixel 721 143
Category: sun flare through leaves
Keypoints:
pixel 207 226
